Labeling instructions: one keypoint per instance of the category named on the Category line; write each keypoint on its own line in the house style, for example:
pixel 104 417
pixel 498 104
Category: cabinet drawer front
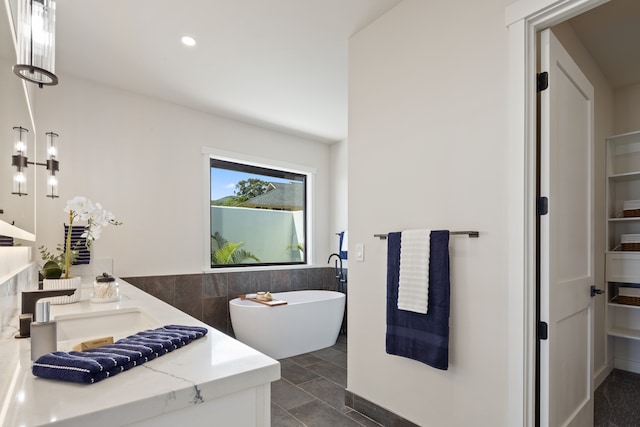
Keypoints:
pixel 623 267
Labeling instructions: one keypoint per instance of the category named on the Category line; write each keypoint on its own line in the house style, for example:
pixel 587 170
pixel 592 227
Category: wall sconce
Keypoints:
pixel 36 42
pixel 52 165
pixel 21 162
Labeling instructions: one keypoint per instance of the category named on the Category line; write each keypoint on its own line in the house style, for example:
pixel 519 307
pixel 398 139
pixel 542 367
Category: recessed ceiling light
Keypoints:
pixel 188 41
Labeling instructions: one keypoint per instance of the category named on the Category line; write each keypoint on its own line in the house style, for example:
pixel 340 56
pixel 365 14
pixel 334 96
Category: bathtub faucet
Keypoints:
pixel 339 271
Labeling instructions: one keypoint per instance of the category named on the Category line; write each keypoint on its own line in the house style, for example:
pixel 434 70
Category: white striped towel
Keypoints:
pixel 413 289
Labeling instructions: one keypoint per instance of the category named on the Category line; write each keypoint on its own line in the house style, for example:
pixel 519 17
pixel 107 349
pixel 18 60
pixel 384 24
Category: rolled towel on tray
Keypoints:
pixel 94 365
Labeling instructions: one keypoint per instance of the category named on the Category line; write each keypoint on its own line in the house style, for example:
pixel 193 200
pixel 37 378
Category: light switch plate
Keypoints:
pixel 359 251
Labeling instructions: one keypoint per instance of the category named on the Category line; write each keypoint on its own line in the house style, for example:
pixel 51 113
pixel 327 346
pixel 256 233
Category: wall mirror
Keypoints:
pixel 14 111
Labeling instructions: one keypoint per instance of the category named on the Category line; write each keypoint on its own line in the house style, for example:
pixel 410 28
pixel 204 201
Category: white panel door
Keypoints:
pixel 566 240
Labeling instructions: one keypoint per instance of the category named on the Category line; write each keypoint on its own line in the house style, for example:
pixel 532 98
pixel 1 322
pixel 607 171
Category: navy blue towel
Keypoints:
pixel 422 337
pixel 6 241
pixel 94 365
pixel 343 254
pixel 78 244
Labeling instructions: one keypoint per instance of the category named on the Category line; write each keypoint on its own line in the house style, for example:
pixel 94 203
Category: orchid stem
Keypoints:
pixel 67 258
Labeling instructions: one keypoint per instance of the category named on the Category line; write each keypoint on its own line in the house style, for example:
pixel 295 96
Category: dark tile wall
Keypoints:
pixel 206 296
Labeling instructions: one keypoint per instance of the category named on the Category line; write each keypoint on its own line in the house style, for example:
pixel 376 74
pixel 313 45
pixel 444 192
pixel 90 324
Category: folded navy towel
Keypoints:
pixel 158 348
pixel 94 365
pixel 135 357
pixel 168 343
pixel 148 353
pixel 73 367
pixel 422 337
pixel 134 353
pixel 196 330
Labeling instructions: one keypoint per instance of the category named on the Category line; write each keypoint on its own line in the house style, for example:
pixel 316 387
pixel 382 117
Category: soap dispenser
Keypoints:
pixel 44 334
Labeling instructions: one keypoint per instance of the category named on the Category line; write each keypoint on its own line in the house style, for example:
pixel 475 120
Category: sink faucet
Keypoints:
pixel 29 299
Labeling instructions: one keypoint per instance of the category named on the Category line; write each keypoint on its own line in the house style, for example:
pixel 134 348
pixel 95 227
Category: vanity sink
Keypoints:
pixel 76 328
pixel 214 375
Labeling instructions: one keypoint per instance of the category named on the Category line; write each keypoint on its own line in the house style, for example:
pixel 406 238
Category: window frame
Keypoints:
pixel 210 153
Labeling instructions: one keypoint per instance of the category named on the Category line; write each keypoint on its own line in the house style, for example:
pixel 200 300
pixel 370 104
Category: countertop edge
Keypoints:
pixel 185 384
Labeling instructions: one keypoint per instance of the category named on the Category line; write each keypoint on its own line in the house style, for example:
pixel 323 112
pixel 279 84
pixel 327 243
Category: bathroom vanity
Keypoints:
pixel 214 380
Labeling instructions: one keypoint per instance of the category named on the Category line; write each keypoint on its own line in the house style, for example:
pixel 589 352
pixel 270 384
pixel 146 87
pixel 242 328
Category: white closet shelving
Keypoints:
pixel 622 266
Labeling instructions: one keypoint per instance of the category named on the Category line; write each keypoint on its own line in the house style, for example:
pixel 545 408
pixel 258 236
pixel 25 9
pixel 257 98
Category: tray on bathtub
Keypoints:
pixel 271 303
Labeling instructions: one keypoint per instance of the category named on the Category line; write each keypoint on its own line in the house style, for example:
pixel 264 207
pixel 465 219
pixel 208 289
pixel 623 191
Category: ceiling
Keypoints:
pixel 6 43
pixel 275 63
pixel 280 64
pixel 611 34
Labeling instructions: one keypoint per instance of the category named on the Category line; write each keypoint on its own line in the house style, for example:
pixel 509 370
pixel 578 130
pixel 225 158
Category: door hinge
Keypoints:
pixel 542 81
pixel 542 207
pixel 543 330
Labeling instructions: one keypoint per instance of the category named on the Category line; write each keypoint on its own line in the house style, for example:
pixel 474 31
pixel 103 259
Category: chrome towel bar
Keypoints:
pixel 471 234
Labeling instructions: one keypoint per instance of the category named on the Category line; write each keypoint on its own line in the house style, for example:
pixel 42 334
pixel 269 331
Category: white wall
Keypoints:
pixel 339 193
pixel 426 92
pixel 18 210
pixel 428 149
pixel 627 109
pixel 14 112
pixel 142 159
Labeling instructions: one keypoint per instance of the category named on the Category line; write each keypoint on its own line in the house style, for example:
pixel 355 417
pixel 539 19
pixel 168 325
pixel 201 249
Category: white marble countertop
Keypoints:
pixel 204 370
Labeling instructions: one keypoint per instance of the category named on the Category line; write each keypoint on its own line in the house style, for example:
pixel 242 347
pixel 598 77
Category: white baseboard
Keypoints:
pixel 627 365
pixel 600 375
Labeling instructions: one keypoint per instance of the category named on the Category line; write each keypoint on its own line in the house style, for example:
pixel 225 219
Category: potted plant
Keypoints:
pixel 56 270
pixel 54 264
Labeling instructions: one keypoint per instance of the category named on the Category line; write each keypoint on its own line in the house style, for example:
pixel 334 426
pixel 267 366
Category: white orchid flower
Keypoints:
pixel 101 218
pixel 93 233
pixel 80 206
pixel 96 216
pixel 84 209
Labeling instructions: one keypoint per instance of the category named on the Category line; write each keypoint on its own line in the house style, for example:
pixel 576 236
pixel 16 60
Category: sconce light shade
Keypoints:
pixel 52 165
pixel 19 160
pixel 36 41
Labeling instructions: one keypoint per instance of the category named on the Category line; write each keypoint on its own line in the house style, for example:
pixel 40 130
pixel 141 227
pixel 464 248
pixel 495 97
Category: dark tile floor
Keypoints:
pixel 617 400
pixel 311 391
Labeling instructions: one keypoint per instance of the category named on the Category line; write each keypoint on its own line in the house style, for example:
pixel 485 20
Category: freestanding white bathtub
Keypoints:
pixel 309 321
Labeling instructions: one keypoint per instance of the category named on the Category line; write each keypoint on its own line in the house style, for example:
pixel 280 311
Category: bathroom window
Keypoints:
pixel 257 215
